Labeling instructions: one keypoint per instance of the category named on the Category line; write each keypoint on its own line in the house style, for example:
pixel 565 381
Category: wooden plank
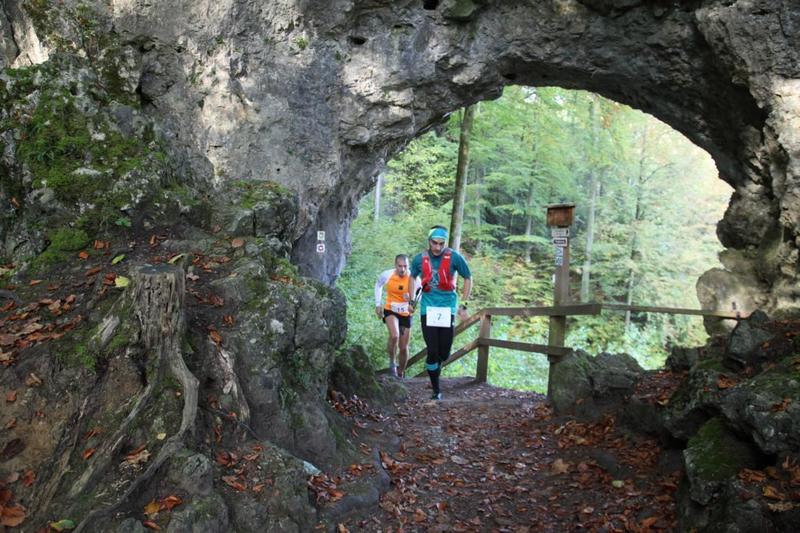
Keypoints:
pixel 526 346
pixel 455 356
pixel 674 311
pixel 482 368
pixel 558 310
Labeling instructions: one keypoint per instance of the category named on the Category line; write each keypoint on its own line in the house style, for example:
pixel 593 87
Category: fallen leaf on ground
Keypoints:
pixel 63 525
pixel 137 458
pixel 33 380
pixel 559 467
pixel 149 524
pixel 771 493
pixel 152 508
pixel 12 449
pixel 234 483
pixel 87 453
pixel 13 515
pixel 171 501
pixel 11 397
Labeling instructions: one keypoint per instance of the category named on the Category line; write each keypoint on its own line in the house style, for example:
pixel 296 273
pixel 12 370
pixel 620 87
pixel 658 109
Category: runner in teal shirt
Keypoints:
pixel 437 293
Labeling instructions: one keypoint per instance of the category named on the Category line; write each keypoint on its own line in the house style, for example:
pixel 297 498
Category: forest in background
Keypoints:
pixel 647 203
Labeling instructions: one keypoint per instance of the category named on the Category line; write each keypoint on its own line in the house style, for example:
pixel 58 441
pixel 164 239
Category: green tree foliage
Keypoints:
pixel 657 200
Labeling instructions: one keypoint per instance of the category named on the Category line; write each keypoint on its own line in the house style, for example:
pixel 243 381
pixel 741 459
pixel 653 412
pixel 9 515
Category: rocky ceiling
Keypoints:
pixel 318 94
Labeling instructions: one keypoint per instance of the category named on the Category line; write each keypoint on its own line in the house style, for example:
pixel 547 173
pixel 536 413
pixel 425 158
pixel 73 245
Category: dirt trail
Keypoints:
pixel 490 459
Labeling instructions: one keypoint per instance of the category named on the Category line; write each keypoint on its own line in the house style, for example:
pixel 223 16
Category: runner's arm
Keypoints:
pixel 379 283
pixel 467 290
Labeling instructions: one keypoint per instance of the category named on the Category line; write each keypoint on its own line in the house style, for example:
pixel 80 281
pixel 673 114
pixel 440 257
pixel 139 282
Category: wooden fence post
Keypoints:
pixel 559 218
pixel 482 370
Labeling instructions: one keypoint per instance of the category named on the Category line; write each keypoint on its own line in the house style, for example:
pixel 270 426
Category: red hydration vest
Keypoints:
pixel 446 282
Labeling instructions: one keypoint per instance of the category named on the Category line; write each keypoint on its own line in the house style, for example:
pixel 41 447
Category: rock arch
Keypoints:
pixel 318 94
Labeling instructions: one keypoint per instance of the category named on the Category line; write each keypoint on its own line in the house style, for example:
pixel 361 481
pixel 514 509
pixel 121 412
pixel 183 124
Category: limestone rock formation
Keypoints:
pixel 589 386
pixel 316 96
pixel 182 127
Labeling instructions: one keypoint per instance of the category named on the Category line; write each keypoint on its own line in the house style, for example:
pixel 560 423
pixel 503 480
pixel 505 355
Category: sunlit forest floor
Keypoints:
pixel 492 459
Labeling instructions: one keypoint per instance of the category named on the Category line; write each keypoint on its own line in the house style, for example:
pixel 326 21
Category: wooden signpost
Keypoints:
pixel 559 219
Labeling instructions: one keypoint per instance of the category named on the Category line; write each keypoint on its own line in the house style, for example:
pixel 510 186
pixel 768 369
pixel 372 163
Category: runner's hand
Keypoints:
pixel 462 314
pixel 379 311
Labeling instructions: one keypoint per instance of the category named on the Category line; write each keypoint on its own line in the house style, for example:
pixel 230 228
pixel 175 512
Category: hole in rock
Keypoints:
pixel 647 202
pixel 430 4
pixel 358 41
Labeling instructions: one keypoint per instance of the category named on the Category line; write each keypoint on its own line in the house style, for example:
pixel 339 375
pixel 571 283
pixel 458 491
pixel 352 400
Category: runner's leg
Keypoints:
pixel 444 343
pixel 391 344
pixel 446 340
pixel 405 335
pixel 431 336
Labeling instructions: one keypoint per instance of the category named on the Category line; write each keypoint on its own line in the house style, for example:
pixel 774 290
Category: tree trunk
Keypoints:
pixel 637 217
pixel 479 174
pixel 529 223
pixel 378 187
pixel 590 219
pixel 457 218
pixel 594 189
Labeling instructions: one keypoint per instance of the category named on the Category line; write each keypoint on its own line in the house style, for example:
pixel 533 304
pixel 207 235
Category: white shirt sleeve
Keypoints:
pixel 379 283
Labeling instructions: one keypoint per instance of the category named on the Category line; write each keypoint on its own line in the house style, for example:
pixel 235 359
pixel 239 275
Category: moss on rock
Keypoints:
pixel 714 455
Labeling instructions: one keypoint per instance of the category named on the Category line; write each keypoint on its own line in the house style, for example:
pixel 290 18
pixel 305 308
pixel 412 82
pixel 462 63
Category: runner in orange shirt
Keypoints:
pixel 396 312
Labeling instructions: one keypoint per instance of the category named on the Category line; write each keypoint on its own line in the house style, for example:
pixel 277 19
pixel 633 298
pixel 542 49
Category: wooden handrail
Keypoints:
pixel 593 308
pixel 558 310
pixel 526 346
pixel 674 311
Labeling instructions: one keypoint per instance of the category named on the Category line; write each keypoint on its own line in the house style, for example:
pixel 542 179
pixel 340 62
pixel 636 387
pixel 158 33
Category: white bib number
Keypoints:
pixel 438 317
pixel 400 307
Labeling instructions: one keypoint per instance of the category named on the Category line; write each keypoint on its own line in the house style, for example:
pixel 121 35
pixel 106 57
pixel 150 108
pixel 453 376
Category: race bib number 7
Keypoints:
pixel 438 317
pixel 400 307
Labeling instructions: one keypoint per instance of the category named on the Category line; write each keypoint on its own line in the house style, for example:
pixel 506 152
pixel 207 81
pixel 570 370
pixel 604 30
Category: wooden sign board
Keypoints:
pixel 560 215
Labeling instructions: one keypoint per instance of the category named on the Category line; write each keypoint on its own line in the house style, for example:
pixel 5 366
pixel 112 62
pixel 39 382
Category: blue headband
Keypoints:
pixel 438 233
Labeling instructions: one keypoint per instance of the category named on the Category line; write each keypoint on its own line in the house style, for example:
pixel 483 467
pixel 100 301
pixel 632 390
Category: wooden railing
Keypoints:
pixel 484 341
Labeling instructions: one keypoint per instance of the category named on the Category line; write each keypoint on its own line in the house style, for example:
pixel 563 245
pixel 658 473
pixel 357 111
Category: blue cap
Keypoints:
pixel 438 233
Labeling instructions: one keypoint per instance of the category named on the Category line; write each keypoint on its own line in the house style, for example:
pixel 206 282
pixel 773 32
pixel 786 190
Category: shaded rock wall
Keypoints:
pixel 317 95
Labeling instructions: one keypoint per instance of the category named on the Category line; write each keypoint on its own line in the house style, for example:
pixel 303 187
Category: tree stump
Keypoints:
pixel 156 301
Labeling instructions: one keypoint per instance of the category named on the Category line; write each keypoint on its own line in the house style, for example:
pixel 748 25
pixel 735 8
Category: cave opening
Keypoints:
pixel 647 204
